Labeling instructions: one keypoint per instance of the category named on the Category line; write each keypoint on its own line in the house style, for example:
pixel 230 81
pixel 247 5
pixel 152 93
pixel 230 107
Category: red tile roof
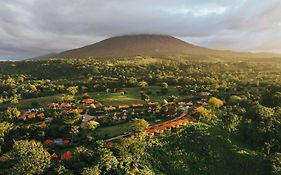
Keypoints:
pixel 42 124
pixel 88 101
pixel 65 105
pixel 54 155
pixel 137 105
pixel 48 141
pixel 53 105
pixel 66 156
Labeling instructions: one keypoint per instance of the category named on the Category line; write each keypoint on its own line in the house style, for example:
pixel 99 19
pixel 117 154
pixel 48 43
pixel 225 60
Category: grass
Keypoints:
pixel 111 131
pixel 115 99
pixel 132 96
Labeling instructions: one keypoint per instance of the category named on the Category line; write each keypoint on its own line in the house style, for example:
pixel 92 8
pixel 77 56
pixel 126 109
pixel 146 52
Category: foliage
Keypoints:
pixel 92 125
pixel 28 157
pixel 215 102
pixel 138 125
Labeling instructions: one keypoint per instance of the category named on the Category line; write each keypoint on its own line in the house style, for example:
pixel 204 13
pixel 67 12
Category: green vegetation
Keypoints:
pixel 56 114
pixel 112 131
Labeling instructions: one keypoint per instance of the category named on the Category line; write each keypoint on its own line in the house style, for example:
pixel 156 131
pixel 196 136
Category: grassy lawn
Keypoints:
pixel 133 96
pixel 115 99
pixel 43 101
pixel 111 131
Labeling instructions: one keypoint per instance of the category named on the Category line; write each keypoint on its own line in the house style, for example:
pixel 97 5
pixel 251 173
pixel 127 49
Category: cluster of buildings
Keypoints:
pixel 167 125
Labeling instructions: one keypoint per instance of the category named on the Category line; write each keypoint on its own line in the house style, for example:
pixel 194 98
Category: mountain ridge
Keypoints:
pixel 154 45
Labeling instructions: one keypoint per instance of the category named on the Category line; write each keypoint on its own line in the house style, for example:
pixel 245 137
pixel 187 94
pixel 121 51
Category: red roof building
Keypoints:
pixel 66 156
pixel 65 105
pixel 52 105
pixel 54 155
pixel 48 141
pixel 88 101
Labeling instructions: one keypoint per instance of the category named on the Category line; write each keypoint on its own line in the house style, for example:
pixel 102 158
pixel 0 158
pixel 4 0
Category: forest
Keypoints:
pixel 142 115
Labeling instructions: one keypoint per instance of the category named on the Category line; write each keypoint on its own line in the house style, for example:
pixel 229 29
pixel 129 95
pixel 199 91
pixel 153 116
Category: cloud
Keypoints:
pixel 35 27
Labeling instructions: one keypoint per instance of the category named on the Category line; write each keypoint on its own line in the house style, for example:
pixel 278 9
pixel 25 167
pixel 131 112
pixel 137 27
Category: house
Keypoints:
pixel 48 119
pixel 30 115
pixel 110 108
pixel 181 103
pixel 205 93
pixel 54 155
pixel 65 105
pixel 152 103
pixel 123 106
pixel 88 101
pixel 137 105
pixel 53 105
pixel 48 141
pixel 109 144
pixel 32 110
pixel 42 124
pixel 149 131
pixel 58 142
pixel 22 116
pixel 66 156
pixel 40 114
pixel 66 142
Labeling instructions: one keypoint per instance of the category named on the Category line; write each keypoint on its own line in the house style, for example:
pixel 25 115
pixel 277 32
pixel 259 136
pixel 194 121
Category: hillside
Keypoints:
pixel 134 45
pixel 150 45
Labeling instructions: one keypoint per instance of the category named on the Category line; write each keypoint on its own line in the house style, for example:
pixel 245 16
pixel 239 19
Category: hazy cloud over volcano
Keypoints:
pixel 36 27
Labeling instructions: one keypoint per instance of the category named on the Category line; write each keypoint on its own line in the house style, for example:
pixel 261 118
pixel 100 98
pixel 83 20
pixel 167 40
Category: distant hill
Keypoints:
pixel 148 45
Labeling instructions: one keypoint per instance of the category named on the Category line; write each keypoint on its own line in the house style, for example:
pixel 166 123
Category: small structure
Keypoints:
pixel 152 103
pixel 42 124
pixel 181 103
pixel 48 119
pixel 137 105
pixel 66 156
pixel 40 114
pixel 88 101
pixel 110 108
pixel 54 155
pixel 53 105
pixel 48 141
pixel 109 144
pixel 58 142
pixel 123 106
pixel 205 93
pixel 65 105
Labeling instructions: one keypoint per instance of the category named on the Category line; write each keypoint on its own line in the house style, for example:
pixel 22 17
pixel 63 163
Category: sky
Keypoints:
pixel 30 28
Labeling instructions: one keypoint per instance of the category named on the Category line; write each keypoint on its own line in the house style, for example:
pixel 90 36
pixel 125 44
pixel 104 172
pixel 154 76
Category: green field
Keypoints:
pixel 112 131
pixel 115 99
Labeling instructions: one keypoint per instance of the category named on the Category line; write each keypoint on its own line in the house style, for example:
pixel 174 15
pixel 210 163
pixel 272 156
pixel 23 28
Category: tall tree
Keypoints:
pixel 28 157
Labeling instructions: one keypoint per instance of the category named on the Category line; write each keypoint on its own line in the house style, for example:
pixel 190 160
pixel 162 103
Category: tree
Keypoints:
pixel 203 114
pixel 138 125
pixel 234 99
pixel 94 170
pixel 28 157
pixel 215 102
pixel 11 113
pixel 231 121
pixel 143 84
pixel 66 98
pixel 1 100
pixel 165 85
pixel 144 97
pixel 92 125
pixel 5 128
pixel 276 164
pixel 164 88
pixel 105 158
pixel 72 90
